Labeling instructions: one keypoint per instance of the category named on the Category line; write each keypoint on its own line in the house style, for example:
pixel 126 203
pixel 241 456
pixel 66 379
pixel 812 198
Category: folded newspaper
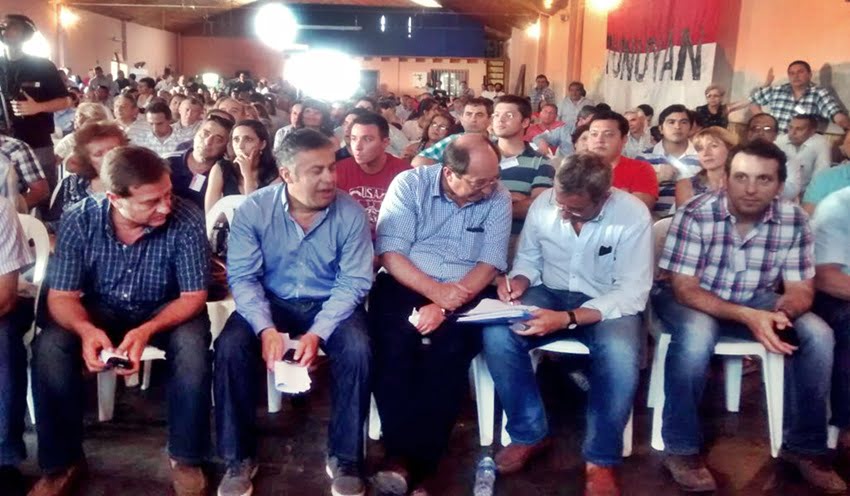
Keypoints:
pixel 490 311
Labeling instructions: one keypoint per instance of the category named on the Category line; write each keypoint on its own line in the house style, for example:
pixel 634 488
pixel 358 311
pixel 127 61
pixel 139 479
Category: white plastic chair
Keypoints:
pixel 35 235
pixel 485 393
pixel 219 311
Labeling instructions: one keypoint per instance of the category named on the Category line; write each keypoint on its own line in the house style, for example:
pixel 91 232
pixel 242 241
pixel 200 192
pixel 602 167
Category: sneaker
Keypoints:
pixel 187 480
pixel 347 478
pixel 61 483
pixel 237 479
pixel 817 471
pixel 391 480
pixel 690 472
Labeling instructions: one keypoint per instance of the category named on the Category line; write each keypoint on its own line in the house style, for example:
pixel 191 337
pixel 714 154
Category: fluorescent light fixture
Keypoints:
pixel 431 4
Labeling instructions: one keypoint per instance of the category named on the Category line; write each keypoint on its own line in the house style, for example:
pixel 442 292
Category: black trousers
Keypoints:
pixel 418 387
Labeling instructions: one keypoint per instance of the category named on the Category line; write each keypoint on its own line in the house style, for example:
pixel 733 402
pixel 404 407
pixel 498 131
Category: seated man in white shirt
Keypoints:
pixel 807 151
pixel 584 258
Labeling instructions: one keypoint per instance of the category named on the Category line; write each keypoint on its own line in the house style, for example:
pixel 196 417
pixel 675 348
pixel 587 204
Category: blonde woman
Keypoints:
pixel 713 145
pixel 86 112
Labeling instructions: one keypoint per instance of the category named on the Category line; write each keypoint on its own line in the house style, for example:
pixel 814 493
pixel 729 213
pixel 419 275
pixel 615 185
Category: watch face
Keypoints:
pixel 572 326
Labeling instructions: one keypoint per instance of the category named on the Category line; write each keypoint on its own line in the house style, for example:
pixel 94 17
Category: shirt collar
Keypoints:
pixel 105 208
pixel 284 200
pixel 770 215
pixel 659 150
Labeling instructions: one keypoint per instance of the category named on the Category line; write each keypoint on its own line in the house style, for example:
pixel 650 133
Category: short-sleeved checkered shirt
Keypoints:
pixel 138 278
pixel 24 160
pixel 783 106
pixel 704 242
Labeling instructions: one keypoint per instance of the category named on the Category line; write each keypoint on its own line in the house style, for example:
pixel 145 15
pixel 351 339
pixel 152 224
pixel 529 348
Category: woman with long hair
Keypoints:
pixel 414 127
pixel 252 168
pixel 713 145
pixel 315 115
pixel 440 125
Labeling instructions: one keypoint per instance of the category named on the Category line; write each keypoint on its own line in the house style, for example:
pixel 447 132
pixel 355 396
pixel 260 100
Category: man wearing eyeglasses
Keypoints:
pixel 762 126
pixel 442 237
pixel 584 258
pixel 727 252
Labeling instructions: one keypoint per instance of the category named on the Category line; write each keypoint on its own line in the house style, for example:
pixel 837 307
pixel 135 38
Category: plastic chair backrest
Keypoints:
pixel 36 235
pixel 659 233
pixel 226 205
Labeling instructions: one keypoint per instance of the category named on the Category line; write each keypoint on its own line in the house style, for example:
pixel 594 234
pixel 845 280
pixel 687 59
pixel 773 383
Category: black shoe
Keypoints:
pixel 347 478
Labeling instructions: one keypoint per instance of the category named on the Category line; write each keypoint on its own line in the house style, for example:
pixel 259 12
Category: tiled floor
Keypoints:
pixel 127 457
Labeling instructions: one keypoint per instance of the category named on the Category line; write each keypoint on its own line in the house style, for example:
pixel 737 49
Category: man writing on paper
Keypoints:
pixel 584 258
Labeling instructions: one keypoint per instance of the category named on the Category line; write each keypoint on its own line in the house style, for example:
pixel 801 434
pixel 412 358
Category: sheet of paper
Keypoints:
pixel 290 378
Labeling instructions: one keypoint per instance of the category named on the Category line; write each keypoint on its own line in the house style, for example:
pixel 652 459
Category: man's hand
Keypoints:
pixel 93 342
pixel 544 322
pixel 451 295
pixel 307 349
pixel 666 172
pixel 23 108
pixel 430 318
pixel 769 79
pixel 763 324
pixel 273 346
pixel 519 285
pixel 133 345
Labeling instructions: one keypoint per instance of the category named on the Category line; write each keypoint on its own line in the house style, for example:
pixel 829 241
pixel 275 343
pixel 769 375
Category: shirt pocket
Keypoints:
pixel 471 244
pixel 603 264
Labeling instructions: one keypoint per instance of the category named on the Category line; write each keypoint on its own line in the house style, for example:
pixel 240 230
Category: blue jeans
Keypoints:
pixel 238 356
pixel 13 382
pixel 693 336
pixel 614 353
pixel 58 386
pixel 836 313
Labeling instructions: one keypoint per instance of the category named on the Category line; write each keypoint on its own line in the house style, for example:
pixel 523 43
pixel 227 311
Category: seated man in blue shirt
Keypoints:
pixel 584 258
pixel 442 237
pixel 131 268
pixel 300 262
pixel 190 169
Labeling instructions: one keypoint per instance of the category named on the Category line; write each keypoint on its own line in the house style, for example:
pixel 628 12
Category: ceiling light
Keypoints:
pixel 533 31
pixel 604 6
pixel 67 17
pixel 276 26
pixel 547 4
pixel 431 4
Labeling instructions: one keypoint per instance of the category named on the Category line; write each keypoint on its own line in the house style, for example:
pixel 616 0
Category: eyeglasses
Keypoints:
pixel 439 126
pixel 762 129
pixel 480 184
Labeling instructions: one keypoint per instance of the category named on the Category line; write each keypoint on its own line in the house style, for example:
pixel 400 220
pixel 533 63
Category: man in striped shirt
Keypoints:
pixel 728 252
pixel 674 157
pixel 131 268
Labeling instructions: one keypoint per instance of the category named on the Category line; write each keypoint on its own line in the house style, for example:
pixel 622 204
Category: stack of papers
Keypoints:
pixel 490 311
pixel 291 378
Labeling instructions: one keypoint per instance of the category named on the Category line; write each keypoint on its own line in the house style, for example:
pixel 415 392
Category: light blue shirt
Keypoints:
pixel 826 182
pixel 560 137
pixel 269 252
pixel 440 238
pixel 610 260
pixel 831 226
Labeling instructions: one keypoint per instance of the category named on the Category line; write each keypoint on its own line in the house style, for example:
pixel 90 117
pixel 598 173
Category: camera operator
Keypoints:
pixel 32 90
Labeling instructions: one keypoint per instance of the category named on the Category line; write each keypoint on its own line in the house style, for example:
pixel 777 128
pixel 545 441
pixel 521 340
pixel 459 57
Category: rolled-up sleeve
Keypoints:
pixel 632 274
pixel 245 267
pixel 396 226
pixel 353 279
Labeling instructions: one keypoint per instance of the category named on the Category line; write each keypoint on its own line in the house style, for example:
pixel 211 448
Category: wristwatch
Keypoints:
pixel 572 323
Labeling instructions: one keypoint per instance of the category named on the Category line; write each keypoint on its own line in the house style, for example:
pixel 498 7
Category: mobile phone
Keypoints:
pixel 289 356
pixel 788 336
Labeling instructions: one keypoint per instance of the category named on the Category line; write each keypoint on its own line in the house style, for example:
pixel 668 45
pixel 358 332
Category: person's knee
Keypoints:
pixel 814 333
pixel 236 341
pixel 352 346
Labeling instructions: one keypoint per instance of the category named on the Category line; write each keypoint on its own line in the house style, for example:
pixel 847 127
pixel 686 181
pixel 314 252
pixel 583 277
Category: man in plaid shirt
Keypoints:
pixel 798 96
pixel 728 252
pixel 32 185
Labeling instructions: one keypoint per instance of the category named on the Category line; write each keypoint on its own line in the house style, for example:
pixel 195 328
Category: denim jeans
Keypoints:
pixel 238 355
pixel 614 353
pixel 13 382
pixel 693 336
pixel 836 313
pixel 58 386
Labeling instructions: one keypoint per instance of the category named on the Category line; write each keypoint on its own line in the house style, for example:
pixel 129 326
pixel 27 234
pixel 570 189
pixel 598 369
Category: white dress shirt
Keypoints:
pixel 610 261
pixel 804 160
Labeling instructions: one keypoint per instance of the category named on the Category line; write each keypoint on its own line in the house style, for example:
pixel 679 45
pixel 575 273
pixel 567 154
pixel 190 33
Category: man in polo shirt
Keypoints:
pixel 34 91
pixel 442 238
pixel 674 157
pixel 475 120
pixel 607 137
pixel 525 172
pixel 190 168
pixel 131 268
pixel 831 226
pixel 798 96
pixel 726 252
pixel 585 258
pixel 807 151
pixel 367 174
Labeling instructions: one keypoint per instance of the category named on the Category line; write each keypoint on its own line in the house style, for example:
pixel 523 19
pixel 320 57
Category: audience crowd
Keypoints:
pixel 364 229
